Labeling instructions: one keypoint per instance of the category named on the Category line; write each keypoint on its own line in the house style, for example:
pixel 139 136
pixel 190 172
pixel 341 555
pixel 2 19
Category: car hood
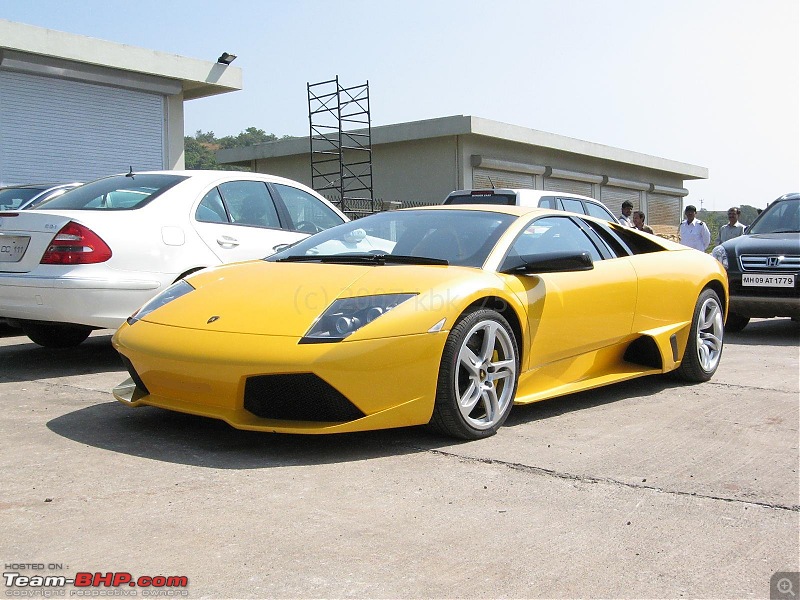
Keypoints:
pixel 285 299
pixel 765 243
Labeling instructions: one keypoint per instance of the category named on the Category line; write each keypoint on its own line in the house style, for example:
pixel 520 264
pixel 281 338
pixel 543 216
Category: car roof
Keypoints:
pixel 515 210
pixel 213 175
pixel 42 186
pixel 209 176
pixel 537 194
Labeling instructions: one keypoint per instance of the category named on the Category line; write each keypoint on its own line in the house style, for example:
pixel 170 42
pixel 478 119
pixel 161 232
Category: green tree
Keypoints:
pixel 749 214
pixel 248 137
pixel 200 149
pixel 198 155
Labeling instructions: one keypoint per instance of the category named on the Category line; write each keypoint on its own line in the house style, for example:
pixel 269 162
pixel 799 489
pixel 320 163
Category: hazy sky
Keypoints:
pixel 714 83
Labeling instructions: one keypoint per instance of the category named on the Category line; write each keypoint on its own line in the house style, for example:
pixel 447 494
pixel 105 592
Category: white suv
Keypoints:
pixel 525 197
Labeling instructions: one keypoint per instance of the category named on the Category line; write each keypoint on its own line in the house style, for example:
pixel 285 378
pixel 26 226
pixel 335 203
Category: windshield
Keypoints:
pixel 119 192
pixel 779 217
pixel 12 198
pixel 460 237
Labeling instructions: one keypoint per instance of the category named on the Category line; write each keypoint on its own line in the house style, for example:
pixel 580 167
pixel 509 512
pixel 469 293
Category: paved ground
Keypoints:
pixel 644 489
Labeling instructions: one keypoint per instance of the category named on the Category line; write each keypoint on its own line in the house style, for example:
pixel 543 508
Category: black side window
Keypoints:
pixel 637 243
pixel 548 235
pixel 624 241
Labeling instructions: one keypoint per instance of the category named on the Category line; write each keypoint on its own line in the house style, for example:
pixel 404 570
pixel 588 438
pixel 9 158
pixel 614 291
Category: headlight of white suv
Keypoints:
pixel 721 255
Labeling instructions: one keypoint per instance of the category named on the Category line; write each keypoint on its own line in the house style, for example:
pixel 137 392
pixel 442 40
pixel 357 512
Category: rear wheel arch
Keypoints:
pixel 704 346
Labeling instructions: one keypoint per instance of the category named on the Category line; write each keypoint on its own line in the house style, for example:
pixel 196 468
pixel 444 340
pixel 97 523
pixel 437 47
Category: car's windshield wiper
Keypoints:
pixel 365 259
pixel 785 231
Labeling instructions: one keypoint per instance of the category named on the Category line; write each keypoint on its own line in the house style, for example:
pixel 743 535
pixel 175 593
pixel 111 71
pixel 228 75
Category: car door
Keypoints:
pixel 238 220
pixel 572 313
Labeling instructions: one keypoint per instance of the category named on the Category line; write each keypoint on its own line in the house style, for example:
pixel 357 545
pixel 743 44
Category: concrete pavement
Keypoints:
pixel 643 489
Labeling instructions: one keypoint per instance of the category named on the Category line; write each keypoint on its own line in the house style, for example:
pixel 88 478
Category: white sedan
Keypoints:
pixel 93 256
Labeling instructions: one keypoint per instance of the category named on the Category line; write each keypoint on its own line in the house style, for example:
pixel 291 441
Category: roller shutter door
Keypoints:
pixel 663 209
pixel 501 179
pixel 568 186
pixel 613 197
pixel 55 130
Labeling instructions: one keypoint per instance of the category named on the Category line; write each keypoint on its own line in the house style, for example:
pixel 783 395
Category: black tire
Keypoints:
pixel 704 347
pixel 482 378
pixel 55 335
pixel 735 322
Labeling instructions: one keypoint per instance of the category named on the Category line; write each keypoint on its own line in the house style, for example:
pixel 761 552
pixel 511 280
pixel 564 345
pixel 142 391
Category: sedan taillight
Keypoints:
pixel 76 245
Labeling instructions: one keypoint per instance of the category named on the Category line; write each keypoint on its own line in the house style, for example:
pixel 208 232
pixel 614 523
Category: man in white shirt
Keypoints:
pixel 625 217
pixel 693 232
pixel 733 228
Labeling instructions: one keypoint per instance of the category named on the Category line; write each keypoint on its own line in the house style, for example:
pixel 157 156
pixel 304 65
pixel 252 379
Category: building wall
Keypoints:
pixel 425 170
pixel 420 170
pixel 510 164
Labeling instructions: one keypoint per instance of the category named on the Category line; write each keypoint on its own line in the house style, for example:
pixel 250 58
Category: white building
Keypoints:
pixel 75 108
pixel 423 161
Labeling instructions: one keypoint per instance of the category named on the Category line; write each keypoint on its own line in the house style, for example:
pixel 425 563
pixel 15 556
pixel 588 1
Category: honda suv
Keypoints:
pixel 764 265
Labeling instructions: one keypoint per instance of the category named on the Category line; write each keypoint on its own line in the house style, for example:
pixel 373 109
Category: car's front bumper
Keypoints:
pixel 762 302
pixel 392 382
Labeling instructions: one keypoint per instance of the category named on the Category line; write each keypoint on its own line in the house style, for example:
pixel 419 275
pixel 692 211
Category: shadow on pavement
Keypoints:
pixel 7 331
pixel 174 437
pixel 25 361
pixel 186 439
pixel 635 388
pixel 766 332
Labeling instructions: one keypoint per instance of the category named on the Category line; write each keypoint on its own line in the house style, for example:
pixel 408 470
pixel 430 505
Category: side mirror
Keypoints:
pixel 549 262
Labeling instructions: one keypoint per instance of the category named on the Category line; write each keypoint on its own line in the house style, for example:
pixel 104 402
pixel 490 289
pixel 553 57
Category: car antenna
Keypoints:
pixel 490 181
pixel 130 172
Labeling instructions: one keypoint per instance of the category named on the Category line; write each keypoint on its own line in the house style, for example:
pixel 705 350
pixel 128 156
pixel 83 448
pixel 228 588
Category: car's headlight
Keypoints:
pixel 721 255
pixel 176 290
pixel 348 315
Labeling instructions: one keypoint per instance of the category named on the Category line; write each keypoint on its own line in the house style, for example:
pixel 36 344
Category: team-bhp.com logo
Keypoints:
pixel 91 584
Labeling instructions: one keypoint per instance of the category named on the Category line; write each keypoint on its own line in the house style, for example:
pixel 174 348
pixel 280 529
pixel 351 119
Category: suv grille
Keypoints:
pixel 781 264
pixel 298 397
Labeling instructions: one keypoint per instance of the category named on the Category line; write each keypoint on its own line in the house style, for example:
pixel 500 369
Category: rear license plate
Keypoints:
pixel 12 247
pixel 764 280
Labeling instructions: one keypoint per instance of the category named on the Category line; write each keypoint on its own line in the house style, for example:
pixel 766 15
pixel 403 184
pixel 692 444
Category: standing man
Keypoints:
pixel 625 217
pixel 693 232
pixel 638 222
pixel 733 228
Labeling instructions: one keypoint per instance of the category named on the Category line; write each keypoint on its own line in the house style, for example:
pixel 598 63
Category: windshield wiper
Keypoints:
pixel 365 259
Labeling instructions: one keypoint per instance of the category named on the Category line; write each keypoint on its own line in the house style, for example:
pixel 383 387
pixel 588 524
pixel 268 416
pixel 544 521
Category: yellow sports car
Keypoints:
pixel 443 316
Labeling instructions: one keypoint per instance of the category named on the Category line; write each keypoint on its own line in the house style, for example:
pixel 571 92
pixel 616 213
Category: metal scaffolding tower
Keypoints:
pixel 341 158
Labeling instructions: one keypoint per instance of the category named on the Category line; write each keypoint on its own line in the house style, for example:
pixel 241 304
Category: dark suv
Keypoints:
pixel 764 265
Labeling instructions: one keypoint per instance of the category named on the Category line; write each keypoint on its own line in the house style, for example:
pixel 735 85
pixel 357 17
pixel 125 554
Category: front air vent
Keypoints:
pixel 297 397
pixel 134 375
